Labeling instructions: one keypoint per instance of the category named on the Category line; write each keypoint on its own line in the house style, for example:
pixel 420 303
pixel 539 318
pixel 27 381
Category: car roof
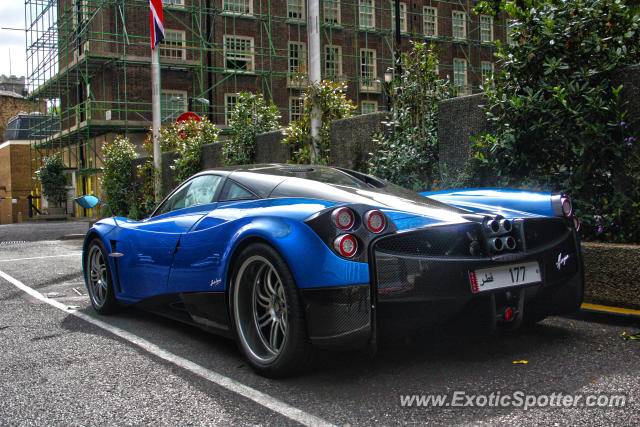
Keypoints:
pixel 263 179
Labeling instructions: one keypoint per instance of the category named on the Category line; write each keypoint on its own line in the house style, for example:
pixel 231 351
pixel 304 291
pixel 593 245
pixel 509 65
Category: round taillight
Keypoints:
pixel 346 245
pixel 576 223
pixel 343 218
pixel 374 221
pixel 567 208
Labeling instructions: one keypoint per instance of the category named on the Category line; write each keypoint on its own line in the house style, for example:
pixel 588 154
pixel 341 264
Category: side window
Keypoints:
pixel 198 191
pixel 202 190
pixel 233 191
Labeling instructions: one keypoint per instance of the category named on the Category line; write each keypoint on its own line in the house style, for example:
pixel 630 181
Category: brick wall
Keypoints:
pixel 15 180
pixel 10 106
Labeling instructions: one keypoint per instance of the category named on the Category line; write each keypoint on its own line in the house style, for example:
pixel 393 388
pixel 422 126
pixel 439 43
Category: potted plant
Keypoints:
pixel 53 183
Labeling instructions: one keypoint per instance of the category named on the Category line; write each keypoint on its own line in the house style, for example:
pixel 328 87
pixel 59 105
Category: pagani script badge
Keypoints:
pixel 215 282
pixel 562 260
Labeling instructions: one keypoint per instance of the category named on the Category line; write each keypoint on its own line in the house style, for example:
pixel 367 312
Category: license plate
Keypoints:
pixel 488 279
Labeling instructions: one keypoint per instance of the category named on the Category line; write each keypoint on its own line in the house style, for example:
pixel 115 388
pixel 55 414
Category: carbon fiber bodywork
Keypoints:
pixel 421 278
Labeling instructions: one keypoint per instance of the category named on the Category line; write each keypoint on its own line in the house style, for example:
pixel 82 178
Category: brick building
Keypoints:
pixel 99 72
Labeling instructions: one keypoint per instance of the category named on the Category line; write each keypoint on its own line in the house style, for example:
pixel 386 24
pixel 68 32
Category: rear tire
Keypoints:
pixel 98 279
pixel 267 314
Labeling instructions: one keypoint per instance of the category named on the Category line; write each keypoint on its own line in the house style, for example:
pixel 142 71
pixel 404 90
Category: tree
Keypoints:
pixel 250 116
pixel 559 121
pixel 331 100
pixel 53 180
pixel 407 153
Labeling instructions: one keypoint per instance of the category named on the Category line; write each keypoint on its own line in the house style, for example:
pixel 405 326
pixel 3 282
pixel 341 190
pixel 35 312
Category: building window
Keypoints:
pixel 403 17
pixel 297 58
pixel 369 107
pixel 172 104
pixel 230 100
pixel 173 45
pixel 460 74
pixel 486 29
pixel 486 70
pixel 430 21
pixel 238 53
pixel 331 11
pixel 367 15
pixel 296 104
pixel 238 6
pixel 332 62
pixel 179 3
pixel 459 25
pixel 368 72
pixel 295 9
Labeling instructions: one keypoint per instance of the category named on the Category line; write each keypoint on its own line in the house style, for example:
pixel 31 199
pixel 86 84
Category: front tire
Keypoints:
pixel 98 279
pixel 267 313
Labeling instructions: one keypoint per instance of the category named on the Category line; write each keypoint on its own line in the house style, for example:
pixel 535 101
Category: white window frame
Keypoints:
pixel 331 12
pixel 487 68
pixel 372 104
pixel 486 29
pixel 296 65
pixel 457 73
pixel 403 17
pixel 366 9
pixel 338 61
pixel 166 112
pixel 458 16
pixel 228 105
pixel 296 107
pixel 369 83
pixel 430 16
pixel 178 4
pixel 241 55
pixel 230 7
pixel 170 45
pixel 296 6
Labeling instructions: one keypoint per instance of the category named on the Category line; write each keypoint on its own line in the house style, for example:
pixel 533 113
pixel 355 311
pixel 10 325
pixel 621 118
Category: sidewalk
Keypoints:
pixel 33 232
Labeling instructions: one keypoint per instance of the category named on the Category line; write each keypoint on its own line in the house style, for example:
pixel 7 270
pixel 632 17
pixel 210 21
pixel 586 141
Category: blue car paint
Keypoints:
pixel 507 202
pixel 207 236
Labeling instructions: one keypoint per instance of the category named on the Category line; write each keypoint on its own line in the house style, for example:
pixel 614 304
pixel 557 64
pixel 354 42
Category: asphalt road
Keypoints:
pixel 62 364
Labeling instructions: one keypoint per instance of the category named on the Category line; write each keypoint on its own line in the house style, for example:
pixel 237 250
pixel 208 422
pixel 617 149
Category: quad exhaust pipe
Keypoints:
pixel 498 244
pixel 498 226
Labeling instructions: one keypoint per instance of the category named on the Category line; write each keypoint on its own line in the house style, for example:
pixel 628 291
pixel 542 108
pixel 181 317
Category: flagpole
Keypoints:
pixel 155 111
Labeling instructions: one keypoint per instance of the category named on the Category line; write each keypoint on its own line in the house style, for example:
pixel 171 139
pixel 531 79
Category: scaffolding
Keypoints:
pixel 89 60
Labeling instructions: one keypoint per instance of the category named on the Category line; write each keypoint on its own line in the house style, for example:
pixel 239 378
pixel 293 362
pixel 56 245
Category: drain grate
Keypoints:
pixel 12 242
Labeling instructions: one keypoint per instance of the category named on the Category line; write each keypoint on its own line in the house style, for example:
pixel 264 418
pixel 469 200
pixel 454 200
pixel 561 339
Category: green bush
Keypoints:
pixel 118 180
pixel 407 152
pixel 558 120
pixel 330 98
pixel 250 116
pixel 52 179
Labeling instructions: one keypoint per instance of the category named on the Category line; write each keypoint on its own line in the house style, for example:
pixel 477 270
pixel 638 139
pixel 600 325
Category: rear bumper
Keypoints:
pixel 409 293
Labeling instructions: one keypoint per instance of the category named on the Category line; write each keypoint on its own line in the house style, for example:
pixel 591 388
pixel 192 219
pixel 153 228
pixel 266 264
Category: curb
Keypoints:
pixel 71 237
pixel 605 309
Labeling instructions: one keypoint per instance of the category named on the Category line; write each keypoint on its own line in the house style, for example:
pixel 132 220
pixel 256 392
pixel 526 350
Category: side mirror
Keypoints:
pixel 88 202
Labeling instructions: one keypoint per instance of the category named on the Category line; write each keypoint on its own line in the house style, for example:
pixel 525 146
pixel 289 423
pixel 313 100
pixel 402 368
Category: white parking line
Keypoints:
pixel 230 384
pixel 41 257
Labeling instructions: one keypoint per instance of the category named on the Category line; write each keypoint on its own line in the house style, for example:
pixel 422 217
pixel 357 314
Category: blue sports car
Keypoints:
pixel 286 258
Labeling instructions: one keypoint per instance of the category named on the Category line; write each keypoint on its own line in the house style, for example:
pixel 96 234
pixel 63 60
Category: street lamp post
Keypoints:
pixel 388 78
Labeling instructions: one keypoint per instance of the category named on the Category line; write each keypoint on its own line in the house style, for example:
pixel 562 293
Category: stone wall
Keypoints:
pixel 351 140
pixel 612 274
pixel 458 120
pixel 270 149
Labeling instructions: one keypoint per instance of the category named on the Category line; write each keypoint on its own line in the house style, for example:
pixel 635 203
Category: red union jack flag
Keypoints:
pixel 157 22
